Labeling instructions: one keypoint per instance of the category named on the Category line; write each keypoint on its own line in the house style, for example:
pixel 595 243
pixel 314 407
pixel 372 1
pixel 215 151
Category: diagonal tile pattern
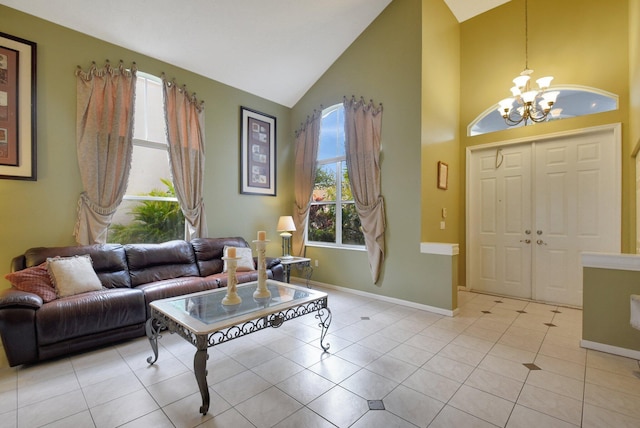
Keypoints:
pixel 499 363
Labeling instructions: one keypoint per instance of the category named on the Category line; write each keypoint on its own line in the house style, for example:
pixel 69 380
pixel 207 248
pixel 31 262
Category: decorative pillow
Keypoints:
pixel 245 263
pixel 34 280
pixel 73 275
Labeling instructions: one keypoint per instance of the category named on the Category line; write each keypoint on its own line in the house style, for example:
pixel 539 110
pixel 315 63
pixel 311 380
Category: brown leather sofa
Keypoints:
pixel 132 276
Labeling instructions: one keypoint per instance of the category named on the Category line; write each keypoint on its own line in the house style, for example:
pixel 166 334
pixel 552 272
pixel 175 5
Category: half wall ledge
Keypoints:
pixel 440 248
pixel 608 282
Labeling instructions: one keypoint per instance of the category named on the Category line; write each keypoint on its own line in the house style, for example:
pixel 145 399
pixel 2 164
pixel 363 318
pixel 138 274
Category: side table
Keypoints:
pixel 302 263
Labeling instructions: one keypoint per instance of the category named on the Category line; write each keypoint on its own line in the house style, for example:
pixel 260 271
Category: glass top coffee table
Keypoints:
pixel 204 321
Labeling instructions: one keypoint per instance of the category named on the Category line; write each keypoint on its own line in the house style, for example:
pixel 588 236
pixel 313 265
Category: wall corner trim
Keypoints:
pixel 440 248
pixel 611 261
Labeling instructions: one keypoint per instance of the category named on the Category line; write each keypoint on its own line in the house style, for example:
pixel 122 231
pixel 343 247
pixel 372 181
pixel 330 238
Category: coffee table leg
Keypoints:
pixel 200 369
pixel 324 315
pixel 153 335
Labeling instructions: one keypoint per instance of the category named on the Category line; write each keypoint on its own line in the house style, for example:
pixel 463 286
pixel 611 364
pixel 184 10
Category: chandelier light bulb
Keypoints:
pixel 521 81
pixel 544 106
pixel 550 97
pixel 544 82
pixel 529 96
pixel 505 106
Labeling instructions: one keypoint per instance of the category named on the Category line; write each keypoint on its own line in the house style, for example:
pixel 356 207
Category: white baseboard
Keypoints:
pixel 610 349
pixel 434 309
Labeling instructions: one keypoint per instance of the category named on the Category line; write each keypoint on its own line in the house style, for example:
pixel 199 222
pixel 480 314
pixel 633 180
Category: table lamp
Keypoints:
pixel 286 226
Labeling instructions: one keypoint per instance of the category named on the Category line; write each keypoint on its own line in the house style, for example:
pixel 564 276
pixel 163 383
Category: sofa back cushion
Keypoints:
pixel 109 261
pixel 209 252
pixel 155 262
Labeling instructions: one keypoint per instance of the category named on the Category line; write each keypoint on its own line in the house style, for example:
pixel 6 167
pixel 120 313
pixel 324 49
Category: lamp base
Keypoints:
pixel 286 246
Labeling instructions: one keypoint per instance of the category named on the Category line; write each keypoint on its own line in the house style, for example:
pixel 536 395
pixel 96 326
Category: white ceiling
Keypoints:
pixel 276 49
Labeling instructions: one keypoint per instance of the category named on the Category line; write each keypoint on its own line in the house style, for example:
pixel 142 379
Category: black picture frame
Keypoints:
pixel 17 108
pixel 257 153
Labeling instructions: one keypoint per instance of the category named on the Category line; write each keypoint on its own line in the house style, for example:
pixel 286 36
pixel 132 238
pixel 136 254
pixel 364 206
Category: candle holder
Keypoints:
pixel 231 297
pixel 262 292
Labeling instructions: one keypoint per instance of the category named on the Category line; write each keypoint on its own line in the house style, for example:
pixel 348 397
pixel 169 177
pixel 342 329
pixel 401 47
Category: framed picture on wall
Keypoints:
pixel 443 175
pixel 17 108
pixel 257 153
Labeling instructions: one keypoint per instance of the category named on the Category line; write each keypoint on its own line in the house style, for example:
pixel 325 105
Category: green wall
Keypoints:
pixel 581 42
pixel 385 64
pixel 606 310
pixel 42 213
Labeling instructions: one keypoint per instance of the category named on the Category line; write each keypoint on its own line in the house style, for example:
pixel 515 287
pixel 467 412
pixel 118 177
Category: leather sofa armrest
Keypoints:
pixel 12 298
pixel 272 261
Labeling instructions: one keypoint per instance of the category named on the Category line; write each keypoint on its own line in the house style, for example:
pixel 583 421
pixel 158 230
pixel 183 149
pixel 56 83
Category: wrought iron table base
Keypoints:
pixel 304 266
pixel 202 342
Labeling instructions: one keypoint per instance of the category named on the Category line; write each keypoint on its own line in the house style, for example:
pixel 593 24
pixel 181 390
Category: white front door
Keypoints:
pixel 575 211
pixel 500 199
pixel 534 207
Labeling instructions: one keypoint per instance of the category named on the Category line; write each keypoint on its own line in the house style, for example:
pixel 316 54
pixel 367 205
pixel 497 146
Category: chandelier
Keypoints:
pixel 527 104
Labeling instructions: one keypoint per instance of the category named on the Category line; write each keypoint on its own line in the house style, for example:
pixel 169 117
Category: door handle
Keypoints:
pixel 541 242
pixel 526 241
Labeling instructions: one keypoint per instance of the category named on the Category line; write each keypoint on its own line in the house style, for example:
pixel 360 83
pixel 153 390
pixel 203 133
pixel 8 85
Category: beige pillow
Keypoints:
pixel 245 263
pixel 73 275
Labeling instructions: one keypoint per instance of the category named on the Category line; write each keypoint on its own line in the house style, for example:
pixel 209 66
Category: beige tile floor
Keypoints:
pixel 428 370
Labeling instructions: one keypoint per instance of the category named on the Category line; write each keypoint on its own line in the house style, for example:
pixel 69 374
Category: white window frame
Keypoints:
pixel 148 143
pixel 338 203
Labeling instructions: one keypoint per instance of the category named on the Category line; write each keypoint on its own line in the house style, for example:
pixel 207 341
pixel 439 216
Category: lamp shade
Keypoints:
pixel 286 224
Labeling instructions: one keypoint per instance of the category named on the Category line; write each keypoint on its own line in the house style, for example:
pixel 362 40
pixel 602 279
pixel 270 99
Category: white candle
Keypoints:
pixel 231 252
pixel 262 235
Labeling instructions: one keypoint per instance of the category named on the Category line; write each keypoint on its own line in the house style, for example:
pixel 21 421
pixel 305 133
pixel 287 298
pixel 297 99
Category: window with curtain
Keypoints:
pixel 333 220
pixel 150 211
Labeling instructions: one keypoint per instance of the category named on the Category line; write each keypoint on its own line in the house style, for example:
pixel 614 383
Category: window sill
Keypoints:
pixel 336 247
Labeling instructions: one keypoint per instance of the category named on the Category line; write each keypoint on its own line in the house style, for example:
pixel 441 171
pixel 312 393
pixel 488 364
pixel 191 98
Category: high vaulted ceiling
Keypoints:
pixel 275 49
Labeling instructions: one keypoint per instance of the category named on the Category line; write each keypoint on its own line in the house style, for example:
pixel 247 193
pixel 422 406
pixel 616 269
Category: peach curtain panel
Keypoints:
pixel 306 154
pixel 363 123
pixel 104 130
pixel 184 116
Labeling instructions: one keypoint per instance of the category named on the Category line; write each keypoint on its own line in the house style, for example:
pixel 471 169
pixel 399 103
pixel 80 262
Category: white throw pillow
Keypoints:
pixel 245 263
pixel 73 275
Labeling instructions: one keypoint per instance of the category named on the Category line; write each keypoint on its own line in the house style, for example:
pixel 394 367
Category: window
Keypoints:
pixel 150 211
pixel 572 101
pixel 333 220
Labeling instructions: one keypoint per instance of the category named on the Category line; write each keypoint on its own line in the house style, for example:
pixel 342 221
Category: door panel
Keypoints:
pixel 575 211
pixel 535 207
pixel 501 197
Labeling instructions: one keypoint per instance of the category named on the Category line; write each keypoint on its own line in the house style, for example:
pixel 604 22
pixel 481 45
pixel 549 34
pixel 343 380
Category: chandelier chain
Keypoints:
pixel 526 104
pixel 526 35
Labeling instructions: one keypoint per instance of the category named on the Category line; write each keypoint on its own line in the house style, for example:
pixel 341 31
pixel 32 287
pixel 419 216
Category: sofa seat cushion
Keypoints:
pixel 89 313
pixel 176 287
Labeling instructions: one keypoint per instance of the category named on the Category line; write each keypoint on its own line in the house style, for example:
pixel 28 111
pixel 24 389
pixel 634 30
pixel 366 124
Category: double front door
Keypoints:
pixel 534 207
